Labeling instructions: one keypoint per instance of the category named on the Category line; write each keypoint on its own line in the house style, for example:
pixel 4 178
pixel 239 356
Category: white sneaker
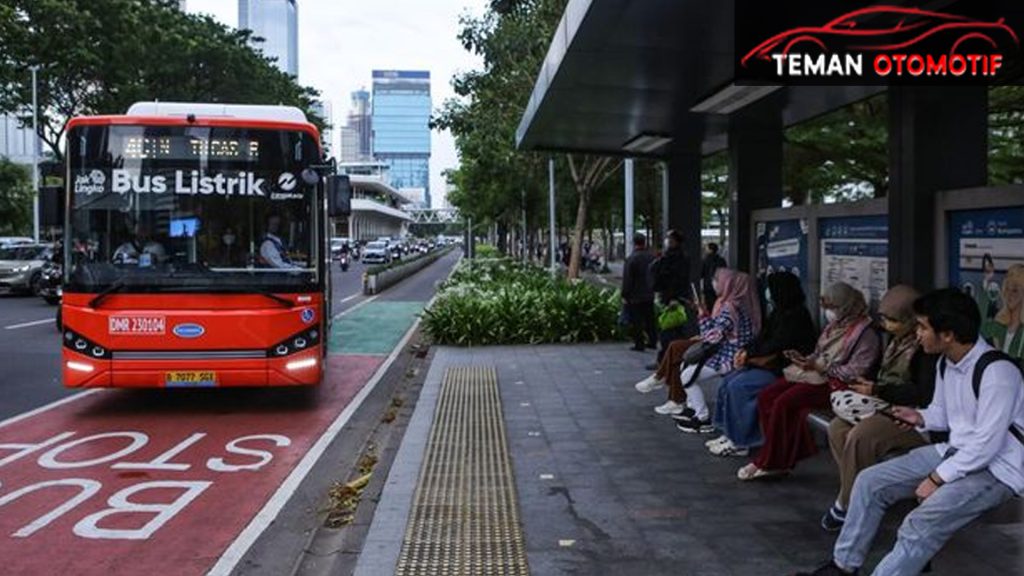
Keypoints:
pixel 719 440
pixel 670 407
pixel 649 384
pixel 727 448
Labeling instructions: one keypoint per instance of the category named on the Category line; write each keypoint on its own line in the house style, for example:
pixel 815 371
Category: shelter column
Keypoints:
pixel 938 140
pixel 755 171
pixel 683 207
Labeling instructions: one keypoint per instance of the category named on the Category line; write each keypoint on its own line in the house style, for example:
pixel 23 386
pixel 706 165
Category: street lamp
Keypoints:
pixel 35 155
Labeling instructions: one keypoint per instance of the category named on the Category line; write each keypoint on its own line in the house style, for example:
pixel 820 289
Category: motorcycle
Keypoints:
pixel 50 283
pixel 343 260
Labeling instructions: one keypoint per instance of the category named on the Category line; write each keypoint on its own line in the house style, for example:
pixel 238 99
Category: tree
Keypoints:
pixel 99 56
pixel 15 198
pixel 1006 135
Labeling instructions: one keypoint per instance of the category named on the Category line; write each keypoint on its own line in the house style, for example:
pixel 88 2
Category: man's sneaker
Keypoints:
pixel 719 440
pixel 649 384
pixel 829 569
pixel 833 520
pixel 696 426
pixel 670 407
pixel 727 448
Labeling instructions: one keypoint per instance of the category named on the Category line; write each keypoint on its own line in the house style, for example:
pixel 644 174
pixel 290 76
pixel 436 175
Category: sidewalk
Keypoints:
pixel 606 486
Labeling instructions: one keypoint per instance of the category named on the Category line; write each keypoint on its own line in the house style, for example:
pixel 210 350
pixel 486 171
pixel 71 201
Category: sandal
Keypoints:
pixel 752 472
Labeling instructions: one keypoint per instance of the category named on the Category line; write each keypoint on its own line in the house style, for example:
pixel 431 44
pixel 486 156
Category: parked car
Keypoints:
pixel 21 267
pixel 376 253
pixel 11 241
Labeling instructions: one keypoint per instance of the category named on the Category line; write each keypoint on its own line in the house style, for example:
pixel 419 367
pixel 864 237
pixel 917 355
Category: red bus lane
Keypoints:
pixel 158 482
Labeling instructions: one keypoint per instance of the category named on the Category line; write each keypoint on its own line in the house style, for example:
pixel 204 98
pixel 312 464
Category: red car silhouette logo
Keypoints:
pixel 888 28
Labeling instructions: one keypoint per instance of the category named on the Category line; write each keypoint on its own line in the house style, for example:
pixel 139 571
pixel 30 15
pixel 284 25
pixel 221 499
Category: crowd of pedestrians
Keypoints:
pixel 925 395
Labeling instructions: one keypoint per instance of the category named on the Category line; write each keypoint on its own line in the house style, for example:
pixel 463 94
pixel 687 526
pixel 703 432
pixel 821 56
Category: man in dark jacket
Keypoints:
pixel 712 262
pixel 638 294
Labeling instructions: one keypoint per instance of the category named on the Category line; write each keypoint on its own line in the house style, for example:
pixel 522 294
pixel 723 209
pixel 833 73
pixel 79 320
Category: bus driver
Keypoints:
pixel 140 249
pixel 272 252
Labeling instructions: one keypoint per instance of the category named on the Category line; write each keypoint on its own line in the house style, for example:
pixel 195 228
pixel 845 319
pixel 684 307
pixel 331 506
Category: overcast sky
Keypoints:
pixel 342 41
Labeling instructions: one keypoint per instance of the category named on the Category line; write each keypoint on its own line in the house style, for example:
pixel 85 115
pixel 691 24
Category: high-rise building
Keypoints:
pixel 401 126
pixel 350 144
pixel 277 23
pixel 359 120
pixel 325 110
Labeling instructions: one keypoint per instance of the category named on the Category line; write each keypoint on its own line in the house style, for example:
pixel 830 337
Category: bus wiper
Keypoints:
pixel 99 298
pixel 228 290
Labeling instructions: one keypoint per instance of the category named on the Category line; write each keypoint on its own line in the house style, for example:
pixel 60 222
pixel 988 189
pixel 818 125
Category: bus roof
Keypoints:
pixel 210 110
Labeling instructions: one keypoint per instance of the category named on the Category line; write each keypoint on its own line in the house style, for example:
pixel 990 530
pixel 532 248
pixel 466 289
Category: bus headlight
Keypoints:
pixel 295 343
pixel 82 345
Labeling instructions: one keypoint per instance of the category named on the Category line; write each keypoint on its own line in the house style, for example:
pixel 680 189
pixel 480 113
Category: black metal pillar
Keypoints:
pixel 755 171
pixel 938 140
pixel 684 198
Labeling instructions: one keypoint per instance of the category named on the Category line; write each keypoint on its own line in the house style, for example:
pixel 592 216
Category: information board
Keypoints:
pixel 983 244
pixel 855 250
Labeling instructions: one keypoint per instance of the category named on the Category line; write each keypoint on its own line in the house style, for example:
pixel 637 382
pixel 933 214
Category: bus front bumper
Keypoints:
pixel 301 369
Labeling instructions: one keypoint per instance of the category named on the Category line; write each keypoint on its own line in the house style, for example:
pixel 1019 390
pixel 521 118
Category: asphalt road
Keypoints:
pixel 30 344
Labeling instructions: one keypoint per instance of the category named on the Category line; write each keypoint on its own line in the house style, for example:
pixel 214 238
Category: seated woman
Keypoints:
pixel 789 327
pixel 905 378
pixel 732 325
pixel 734 320
pixel 847 349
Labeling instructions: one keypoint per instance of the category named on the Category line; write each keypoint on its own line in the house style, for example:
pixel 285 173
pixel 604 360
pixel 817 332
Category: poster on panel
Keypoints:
pixel 855 250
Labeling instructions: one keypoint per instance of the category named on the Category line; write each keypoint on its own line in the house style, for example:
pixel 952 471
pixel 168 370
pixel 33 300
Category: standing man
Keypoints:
pixel 638 294
pixel 671 275
pixel 712 262
pixel 979 399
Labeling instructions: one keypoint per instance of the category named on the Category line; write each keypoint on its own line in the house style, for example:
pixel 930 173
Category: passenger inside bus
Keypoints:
pixel 140 249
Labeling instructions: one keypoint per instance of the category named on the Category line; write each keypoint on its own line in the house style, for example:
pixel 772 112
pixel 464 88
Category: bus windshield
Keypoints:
pixel 164 208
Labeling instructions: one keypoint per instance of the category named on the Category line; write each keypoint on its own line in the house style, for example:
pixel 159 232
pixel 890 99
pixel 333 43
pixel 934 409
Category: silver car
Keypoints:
pixel 376 253
pixel 21 267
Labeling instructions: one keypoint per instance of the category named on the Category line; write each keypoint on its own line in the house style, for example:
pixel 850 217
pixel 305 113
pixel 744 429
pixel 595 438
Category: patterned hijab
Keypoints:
pixel 851 320
pixel 737 294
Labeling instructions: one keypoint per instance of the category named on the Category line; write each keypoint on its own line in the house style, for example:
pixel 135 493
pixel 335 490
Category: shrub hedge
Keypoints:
pixel 499 301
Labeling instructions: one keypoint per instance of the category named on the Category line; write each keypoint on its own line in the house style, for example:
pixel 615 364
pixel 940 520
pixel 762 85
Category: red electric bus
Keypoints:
pixel 196 248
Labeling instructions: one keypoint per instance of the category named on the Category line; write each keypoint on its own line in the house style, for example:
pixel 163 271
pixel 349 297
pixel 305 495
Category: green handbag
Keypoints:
pixel 672 317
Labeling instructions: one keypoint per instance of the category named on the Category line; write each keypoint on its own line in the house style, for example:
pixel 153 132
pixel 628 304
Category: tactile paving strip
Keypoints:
pixel 465 517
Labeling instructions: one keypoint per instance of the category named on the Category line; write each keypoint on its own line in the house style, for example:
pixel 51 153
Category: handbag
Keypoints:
pixel 796 374
pixel 672 317
pixel 853 406
pixel 700 352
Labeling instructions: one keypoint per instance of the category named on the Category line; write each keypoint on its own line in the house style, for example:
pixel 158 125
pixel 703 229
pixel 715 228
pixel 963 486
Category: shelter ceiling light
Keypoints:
pixel 732 98
pixel 646 143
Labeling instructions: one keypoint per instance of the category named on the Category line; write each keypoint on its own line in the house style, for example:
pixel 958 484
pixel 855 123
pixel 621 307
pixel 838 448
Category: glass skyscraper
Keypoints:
pixel 401 130
pixel 277 22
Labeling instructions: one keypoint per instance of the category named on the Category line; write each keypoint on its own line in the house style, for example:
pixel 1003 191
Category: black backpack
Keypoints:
pixel 979 370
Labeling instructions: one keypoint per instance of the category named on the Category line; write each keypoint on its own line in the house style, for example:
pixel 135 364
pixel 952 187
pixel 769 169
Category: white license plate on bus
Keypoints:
pixel 190 379
pixel 137 325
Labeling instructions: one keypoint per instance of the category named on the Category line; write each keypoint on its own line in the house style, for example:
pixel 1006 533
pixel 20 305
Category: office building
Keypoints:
pixel 359 119
pixel 401 131
pixel 325 111
pixel 277 23
pixel 16 141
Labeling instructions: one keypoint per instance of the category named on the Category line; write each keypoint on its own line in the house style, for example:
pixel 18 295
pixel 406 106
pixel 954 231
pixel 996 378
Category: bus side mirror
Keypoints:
pixel 339 195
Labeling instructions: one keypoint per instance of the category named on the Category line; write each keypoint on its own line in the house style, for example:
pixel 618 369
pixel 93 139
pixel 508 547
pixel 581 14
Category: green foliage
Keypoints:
pixel 486 251
pixel 1006 135
pixel 407 259
pixel 497 301
pixel 15 199
pixel 100 56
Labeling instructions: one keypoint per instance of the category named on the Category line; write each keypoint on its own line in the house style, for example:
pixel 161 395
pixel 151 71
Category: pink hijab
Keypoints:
pixel 738 294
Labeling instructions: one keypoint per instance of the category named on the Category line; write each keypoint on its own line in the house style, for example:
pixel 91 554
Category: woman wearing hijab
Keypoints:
pixel 905 378
pixel 789 327
pixel 847 349
pixel 731 324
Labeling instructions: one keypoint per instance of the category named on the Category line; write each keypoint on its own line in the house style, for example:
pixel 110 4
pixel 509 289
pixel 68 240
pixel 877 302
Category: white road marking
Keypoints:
pixel 27 324
pixel 356 307
pixel 347 298
pixel 49 406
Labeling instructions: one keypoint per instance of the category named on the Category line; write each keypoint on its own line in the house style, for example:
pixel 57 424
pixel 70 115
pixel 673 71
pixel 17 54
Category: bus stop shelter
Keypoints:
pixel 656 80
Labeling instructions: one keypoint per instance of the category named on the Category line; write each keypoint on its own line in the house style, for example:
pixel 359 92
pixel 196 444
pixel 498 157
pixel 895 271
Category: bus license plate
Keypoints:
pixel 195 379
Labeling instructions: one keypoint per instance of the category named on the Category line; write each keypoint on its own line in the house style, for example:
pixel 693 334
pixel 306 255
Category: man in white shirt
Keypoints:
pixel 272 250
pixel 980 467
pixel 140 249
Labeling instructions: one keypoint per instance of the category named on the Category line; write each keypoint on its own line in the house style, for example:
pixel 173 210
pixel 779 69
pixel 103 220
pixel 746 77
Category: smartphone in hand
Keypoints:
pixel 887 412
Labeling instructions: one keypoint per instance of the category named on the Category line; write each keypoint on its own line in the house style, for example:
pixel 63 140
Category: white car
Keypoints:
pixel 376 253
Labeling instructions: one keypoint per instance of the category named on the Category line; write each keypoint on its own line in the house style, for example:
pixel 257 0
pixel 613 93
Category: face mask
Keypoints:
pixel 768 296
pixel 667 245
pixel 716 287
pixel 228 239
pixel 830 315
